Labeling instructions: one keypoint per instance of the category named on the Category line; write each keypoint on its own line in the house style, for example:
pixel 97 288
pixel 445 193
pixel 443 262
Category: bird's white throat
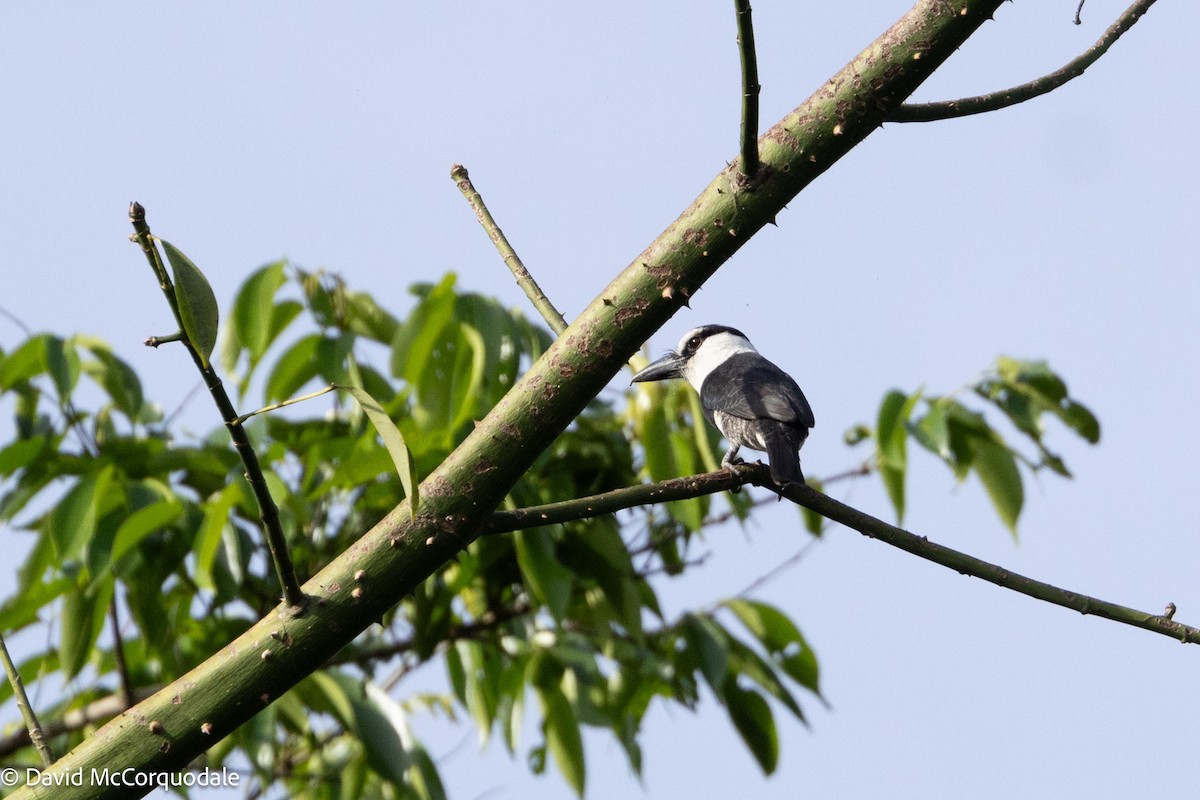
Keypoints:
pixel 712 353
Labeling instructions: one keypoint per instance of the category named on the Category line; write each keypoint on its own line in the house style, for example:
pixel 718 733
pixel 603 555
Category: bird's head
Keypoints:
pixel 700 351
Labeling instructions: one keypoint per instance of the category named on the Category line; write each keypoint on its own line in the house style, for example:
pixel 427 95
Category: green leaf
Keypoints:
pixel 545 574
pixel 83 616
pixel 197 304
pixel 252 311
pixel 781 638
pixel 891 433
pixel 563 738
pixel 754 722
pixel 117 378
pixel 42 354
pixel 932 431
pixel 708 642
pixel 211 533
pixel 1081 420
pixel 72 523
pixel 393 440
pixel 997 468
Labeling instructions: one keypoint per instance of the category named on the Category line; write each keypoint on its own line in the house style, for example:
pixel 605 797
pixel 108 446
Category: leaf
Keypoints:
pixel 72 523
pixel 197 304
pixel 41 354
pixel 211 533
pixel 781 638
pixel 754 722
pixel 891 434
pixel 252 311
pixel 997 468
pixel 932 431
pixel 545 574
pixel 117 378
pixel 393 440
pixel 1081 420
pixel 380 720
pixel 83 616
pixel 562 737
pixel 707 642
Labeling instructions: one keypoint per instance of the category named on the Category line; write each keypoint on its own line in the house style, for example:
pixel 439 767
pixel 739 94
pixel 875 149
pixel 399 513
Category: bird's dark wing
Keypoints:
pixel 750 387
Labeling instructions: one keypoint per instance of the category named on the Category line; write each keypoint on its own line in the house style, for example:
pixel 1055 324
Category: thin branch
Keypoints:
pixel 534 292
pixel 268 511
pixel 126 687
pixel 757 474
pixel 93 713
pixel 948 109
pixel 779 569
pixel 616 500
pixel 488 621
pixel 33 729
pixel 748 165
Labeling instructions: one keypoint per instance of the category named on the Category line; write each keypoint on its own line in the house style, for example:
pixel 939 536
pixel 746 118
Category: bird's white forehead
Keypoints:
pixel 713 352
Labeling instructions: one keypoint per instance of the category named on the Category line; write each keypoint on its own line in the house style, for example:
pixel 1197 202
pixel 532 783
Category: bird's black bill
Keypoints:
pixel 669 366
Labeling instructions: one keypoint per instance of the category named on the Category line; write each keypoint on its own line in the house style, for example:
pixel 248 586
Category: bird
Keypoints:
pixel 752 402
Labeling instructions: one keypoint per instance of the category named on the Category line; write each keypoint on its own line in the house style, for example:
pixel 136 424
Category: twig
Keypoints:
pixel 285 403
pixel 1078 11
pixel 126 688
pixel 757 474
pixel 486 622
pixel 779 568
pixel 32 727
pixel 268 511
pixel 534 292
pixel 748 165
pixel 95 712
pixel 948 109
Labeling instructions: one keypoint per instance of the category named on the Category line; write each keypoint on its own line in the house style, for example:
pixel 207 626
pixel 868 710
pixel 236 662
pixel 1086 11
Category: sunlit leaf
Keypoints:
pixel 197 304
pixel 563 738
pixel 393 441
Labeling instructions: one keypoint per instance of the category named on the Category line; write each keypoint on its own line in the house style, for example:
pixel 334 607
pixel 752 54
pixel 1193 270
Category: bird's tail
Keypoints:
pixel 784 458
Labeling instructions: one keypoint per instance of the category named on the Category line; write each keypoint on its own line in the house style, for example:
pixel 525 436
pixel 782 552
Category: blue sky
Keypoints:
pixel 1064 228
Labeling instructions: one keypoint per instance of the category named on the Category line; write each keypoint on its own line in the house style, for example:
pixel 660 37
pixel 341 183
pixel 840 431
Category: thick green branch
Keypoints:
pixel 948 109
pixel 525 280
pixel 187 717
pixel 293 595
pixel 750 89
pixel 708 483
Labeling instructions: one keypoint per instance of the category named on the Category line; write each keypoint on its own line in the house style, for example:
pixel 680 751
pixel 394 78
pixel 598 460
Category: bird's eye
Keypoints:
pixel 693 343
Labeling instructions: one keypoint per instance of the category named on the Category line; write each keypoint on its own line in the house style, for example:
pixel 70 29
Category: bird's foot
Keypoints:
pixel 731 465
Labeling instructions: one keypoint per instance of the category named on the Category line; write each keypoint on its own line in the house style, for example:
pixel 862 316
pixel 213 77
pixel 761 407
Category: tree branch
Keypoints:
pixel 524 279
pixel 748 165
pixel 826 506
pixel 33 731
pixel 948 109
pixel 205 705
pixel 268 511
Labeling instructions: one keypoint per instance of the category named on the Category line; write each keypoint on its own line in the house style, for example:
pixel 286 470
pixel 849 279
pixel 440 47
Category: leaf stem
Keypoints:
pixel 285 403
pixel 293 595
pixel 524 279
pixel 979 104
